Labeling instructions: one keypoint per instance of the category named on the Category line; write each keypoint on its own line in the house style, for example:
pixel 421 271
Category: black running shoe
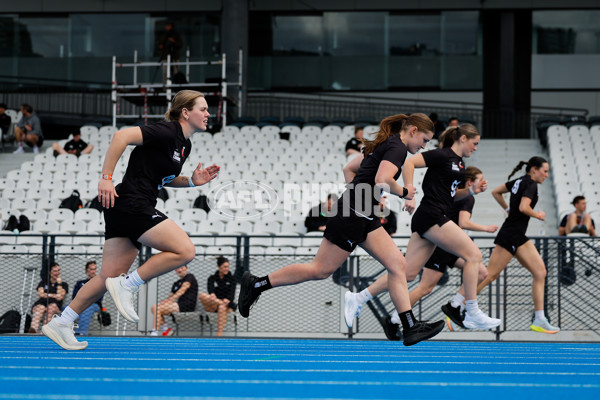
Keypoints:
pixel 392 331
pixel 454 314
pixel 248 294
pixel 422 331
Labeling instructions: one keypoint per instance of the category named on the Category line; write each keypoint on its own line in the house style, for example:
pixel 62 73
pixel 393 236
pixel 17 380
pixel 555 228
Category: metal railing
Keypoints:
pixel 315 308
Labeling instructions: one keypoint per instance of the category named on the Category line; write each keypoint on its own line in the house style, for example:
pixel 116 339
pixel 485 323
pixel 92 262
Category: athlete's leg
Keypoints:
pixel 175 245
pixel 329 257
pixel 209 301
pixel 429 279
pixel 481 275
pixel 529 257
pixel 117 257
pixel 498 261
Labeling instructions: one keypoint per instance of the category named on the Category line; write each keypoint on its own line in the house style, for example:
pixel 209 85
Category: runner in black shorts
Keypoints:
pixel 511 240
pixel 356 223
pixel 431 225
pixel 130 214
pixel 435 267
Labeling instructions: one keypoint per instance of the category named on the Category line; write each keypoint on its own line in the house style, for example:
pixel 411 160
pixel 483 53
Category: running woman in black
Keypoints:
pixel 435 267
pixel 511 240
pixel 356 223
pixel 130 214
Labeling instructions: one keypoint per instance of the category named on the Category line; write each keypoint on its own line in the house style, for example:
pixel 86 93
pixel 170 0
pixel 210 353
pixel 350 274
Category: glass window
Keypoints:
pixel 298 35
pixel 415 35
pixel 354 33
pixel 566 32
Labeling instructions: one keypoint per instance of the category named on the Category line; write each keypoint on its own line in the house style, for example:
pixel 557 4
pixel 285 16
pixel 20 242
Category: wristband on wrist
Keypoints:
pixel 190 182
pixel 107 177
pixel 404 192
pixel 472 192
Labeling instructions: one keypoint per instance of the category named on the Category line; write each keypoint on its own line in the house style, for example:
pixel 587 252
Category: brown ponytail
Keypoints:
pixel 394 125
pixel 452 135
pixel 534 161
pixel 470 174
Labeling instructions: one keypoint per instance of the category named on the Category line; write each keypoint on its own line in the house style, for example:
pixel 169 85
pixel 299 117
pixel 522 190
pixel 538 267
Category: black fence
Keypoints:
pixel 311 309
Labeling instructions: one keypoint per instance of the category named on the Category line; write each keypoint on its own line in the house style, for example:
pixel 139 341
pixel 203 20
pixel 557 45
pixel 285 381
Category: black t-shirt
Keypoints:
pixel 353 144
pixel 363 185
pixel 519 188
pixel 187 301
pixel 78 146
pixel 52 288
pixel 222 288
pixel 445 172
pixel 79 285
pixel 5 121
pixel 465 204
pixel 151 166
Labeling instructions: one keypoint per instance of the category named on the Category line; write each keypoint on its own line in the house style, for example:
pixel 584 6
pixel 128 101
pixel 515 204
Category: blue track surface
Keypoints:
pixel 165 368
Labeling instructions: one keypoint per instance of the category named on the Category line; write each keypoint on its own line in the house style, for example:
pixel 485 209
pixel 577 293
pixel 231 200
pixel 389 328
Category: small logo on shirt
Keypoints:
pixel 176 155
pixel 351 243
pixel 455 167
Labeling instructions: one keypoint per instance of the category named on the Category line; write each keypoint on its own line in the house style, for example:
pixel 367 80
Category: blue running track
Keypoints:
pixel 175 368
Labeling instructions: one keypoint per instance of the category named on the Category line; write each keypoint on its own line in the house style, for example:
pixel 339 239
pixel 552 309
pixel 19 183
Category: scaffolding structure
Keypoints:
pixel 166 90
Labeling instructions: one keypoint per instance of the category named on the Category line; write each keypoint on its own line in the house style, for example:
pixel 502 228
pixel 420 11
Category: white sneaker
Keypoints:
pixel 19 150
pixel 480 320
pixel 154 333
pixel 123 297
pixel 542 325
pixel 36 150
pixel 352 308
pixel 63 335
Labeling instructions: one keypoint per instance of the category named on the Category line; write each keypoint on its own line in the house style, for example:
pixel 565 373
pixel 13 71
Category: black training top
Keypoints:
pixel 78 146
pixel 519 188
pixel 52 288
pixel 222 288
pixel 151 166
pixel 187 300
pixel 392 150
pixel 464 204
pixel 353 144
pixel 445 172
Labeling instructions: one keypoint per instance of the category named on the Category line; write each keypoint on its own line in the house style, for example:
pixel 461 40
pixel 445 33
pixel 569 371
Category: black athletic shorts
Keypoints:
pixel 441 260
pixel 132 226
pixel 347 232
pixel 510 240
pixel 38 144
pixel 425 219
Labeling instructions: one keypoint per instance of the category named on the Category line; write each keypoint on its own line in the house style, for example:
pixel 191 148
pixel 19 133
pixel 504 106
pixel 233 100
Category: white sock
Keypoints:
pixel 539 314
pixel 472 306
pixel 20 144
pixel 364 296
pixel 457 301
pixel 133 280
pixel 395 318
pixel 68 316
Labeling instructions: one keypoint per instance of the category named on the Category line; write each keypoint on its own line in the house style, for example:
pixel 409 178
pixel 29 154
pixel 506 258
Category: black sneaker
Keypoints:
pixel 422 331
pixel 454 314
pixel 392 331
pixel 248 295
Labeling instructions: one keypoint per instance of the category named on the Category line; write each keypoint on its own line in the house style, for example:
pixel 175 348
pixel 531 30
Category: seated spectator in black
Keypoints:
pixel 221 293
pixel 437 125
pixel 86 315
pixel 387 217
pixel 453 122
pixel 5 121
pixel 51 295
pixel 74 146
pixel 354 145
pixel 578 221
pixel 318 215
pixel 181 299
pixel 28 130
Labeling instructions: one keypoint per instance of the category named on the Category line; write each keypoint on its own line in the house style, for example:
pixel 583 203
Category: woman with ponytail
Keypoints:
pixel 354 222
pixel 431 225
pixel 511 240
pixel 130 215
pixel 434 268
